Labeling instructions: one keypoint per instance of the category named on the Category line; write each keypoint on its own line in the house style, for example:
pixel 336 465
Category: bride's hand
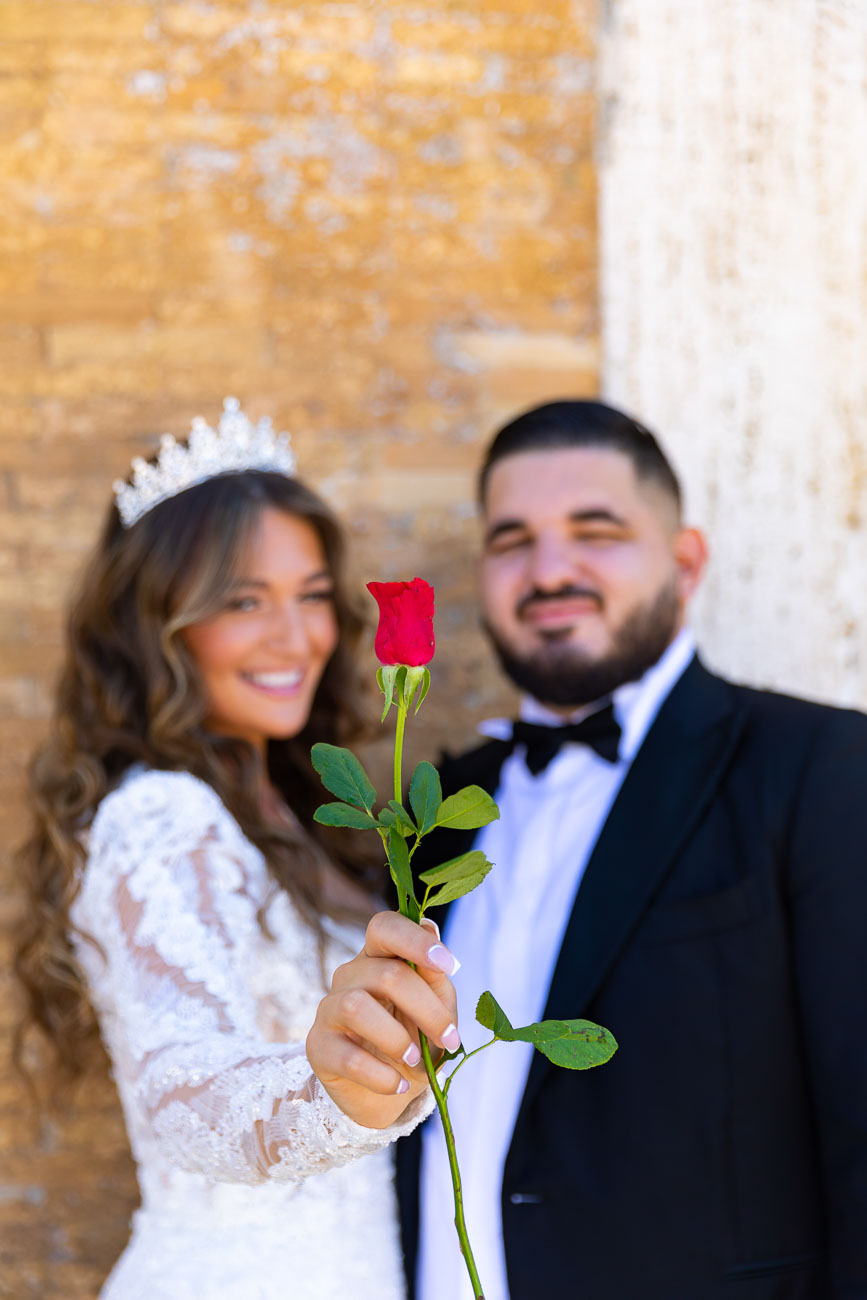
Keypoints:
pixel 363 1045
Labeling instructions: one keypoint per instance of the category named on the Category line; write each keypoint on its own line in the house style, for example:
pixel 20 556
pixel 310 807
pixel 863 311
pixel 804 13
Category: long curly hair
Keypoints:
pixel 129 693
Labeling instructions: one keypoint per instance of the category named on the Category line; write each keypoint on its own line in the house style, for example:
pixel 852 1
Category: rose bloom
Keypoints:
pixel 405 634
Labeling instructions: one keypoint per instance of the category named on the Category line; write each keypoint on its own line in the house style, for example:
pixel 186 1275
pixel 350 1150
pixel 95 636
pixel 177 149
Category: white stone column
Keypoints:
pixel 733 174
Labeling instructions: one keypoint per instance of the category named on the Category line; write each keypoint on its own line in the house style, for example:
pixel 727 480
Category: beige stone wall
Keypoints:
pixel 375 222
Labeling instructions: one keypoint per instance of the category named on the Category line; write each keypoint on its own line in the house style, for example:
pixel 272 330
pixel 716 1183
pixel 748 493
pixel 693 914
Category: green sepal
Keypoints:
pixel 425 687
pixel 572 1044
pixel 457 877
pixel 342 774
pixel 385 681
pixel 417 679
pixel 399 683
pixel 467 810
pixel 344 814
pixel 425 796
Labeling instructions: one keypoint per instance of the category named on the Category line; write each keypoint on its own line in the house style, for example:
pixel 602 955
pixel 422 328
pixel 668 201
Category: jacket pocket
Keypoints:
pixel 694 918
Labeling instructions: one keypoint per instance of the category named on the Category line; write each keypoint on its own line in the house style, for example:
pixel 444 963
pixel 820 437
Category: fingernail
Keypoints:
pixel 451 1039
pixel 403 1086
pixel 444 960
pixel 412 1055
pixel 430 924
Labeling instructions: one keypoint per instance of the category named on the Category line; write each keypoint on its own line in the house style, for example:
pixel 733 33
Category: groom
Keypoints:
pixel 688 868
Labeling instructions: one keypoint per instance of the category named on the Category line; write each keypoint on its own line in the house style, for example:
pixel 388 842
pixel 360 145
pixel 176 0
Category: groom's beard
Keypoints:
pixel 563 675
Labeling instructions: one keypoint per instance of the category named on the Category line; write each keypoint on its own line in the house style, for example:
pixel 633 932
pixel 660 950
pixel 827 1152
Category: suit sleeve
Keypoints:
pixel 828 881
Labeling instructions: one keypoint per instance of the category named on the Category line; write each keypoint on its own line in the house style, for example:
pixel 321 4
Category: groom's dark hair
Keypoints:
pixel 561 425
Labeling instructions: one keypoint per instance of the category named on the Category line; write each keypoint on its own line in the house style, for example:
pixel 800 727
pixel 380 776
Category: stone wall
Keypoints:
pixel 374 222
pixel 733 224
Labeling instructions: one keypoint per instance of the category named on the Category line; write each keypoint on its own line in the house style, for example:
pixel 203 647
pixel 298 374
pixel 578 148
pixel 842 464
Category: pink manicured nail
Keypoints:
pixel 412 1055
pixel 451 1039
pixel 403 1086
pixel 444 960
pixel 428 923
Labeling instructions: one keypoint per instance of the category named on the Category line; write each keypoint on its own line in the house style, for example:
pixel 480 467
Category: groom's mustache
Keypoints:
pixel 538 597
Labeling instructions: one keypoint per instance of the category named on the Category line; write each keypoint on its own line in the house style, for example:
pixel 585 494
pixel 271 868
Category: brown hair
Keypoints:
pixel 129 693
pixel 556 426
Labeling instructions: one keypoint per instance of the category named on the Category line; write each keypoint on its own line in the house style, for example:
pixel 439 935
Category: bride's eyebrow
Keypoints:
pixel 321 575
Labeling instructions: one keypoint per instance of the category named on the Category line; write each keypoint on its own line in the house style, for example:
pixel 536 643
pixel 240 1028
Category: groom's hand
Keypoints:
pixel 364 1045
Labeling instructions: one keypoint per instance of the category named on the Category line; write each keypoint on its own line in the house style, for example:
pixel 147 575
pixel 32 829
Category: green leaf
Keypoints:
pixel 455 868
pixel 574 1044
pixel 343 814
pixel 396 815
pixel 458 877
pixel 468 809
pixel 398 862
pixel 342 774
pixel 491 1016
pixel 425 796
pixel 405 823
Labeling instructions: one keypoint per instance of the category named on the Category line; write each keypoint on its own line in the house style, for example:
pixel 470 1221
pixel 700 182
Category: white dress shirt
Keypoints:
pixel 508 934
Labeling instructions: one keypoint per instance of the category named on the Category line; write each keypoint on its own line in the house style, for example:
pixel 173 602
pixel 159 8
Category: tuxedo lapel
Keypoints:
pixel 665 792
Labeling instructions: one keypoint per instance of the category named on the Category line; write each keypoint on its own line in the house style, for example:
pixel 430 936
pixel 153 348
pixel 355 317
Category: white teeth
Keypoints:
pixel 277 681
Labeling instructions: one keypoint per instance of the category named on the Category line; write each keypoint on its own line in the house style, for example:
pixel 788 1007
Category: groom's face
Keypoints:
pixel 586 572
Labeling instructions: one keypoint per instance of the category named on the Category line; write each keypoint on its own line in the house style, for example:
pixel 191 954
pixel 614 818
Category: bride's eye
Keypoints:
pixel 241 604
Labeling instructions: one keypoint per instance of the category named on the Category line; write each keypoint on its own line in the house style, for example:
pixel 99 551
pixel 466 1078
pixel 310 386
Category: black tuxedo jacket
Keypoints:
pixel 720 933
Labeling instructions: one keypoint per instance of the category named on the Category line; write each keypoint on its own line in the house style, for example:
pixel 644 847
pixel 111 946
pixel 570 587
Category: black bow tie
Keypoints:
pixel 601 731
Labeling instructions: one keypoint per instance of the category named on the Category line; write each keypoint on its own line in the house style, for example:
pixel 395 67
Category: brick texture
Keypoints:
pixel 375 223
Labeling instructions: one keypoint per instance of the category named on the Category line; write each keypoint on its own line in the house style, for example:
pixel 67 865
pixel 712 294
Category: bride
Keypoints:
pixel 185 907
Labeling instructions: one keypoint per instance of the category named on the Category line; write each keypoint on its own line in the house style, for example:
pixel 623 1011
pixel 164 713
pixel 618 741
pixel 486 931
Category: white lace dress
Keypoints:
pixel 250 1177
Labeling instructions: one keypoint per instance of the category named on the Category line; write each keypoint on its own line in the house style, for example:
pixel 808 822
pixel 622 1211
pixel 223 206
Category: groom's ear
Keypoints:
pixel 690 556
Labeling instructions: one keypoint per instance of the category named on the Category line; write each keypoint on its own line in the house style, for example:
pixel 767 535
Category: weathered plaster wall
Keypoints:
pixel 373 221
pixel 733 219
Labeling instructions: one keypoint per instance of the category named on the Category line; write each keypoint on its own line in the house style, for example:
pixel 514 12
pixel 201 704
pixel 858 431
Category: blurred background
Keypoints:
pixel 390 226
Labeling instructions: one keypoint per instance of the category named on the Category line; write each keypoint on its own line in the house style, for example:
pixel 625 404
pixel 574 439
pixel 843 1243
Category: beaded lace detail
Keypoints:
pixel 205 1018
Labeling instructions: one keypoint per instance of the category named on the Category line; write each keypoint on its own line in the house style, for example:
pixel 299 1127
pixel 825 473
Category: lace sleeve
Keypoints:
pixel 169 897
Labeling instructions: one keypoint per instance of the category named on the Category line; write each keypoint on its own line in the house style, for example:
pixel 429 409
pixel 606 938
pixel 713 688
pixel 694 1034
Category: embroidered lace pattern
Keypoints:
pixel 205 1018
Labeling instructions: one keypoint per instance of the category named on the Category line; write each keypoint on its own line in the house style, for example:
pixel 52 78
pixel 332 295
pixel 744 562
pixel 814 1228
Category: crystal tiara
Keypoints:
pixel 234 446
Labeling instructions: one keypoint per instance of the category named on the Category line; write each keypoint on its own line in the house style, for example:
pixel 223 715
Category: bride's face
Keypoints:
pixel 261 657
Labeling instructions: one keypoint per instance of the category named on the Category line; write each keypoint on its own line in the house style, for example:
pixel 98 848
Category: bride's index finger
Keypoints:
pixel 391 935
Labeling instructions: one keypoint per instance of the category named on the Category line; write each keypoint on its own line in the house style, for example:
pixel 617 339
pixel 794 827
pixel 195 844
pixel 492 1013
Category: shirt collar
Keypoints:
pixel 636 704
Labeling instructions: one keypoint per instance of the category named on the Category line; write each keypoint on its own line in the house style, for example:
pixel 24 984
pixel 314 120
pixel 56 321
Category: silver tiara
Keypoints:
pixel 235 445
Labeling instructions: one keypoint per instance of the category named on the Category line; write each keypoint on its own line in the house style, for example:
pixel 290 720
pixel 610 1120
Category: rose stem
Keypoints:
pixel 398 750
pixel 430 1070
pixel 460 1222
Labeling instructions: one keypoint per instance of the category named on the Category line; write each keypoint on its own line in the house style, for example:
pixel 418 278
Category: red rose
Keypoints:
pixel 405 634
